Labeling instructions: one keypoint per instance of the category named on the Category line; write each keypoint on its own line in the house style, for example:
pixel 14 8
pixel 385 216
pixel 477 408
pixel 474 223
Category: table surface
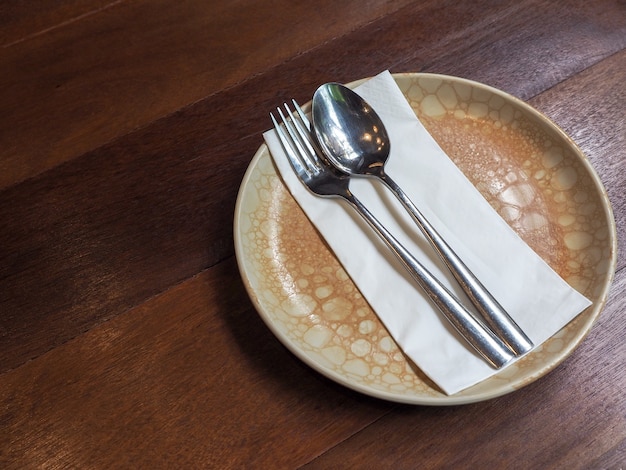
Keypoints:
pixel 127 339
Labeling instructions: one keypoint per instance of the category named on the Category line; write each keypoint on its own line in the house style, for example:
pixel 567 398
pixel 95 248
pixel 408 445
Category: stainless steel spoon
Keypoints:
pixel 355 140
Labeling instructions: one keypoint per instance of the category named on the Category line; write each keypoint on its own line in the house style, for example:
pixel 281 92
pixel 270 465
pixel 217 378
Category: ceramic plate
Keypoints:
pixel 525 166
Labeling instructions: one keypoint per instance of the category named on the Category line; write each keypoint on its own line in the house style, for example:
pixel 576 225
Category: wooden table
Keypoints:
pixel 127 339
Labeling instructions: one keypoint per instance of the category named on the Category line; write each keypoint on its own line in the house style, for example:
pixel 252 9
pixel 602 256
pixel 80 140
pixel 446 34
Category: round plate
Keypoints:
pixel 524 165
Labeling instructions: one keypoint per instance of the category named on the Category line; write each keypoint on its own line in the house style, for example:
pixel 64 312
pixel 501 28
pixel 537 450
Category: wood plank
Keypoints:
pixel 133 217
pixel 20 20
pixel 591 379
pixel 127 375
pixel 537 47
pixel 190 379
pixel 509 45
pixel 126 221
pixel 92 240
pixel 75 88
pixel 614 458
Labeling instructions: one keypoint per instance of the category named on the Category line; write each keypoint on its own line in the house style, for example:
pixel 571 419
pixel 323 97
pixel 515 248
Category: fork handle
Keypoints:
pixel 492 312
pixel 488 345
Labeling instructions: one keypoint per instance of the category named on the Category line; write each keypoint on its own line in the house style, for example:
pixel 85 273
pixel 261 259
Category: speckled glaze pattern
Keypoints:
pixel 528 170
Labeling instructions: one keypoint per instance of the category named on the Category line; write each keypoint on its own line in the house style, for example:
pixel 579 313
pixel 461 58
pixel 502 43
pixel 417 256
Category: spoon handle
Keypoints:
pixel 493 313
pixel 488 345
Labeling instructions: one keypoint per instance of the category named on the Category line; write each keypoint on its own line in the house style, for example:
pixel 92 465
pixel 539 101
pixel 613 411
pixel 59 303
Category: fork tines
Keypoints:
pixel 298 140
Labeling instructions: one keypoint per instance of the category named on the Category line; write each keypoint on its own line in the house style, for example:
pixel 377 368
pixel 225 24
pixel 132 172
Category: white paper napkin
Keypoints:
pixel 533 294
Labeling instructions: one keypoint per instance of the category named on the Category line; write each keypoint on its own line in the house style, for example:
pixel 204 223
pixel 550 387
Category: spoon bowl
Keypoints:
pixel 351 133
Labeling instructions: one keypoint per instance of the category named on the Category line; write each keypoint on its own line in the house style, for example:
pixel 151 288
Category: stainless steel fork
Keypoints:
pixel 324 180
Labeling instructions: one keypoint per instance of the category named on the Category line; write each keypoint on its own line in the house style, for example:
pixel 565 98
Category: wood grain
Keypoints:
pixel 20 21
pixel 191 369
pixel 81 241
pixel 59 101
pixel 127 339
pixel 160 185
pixel 524 58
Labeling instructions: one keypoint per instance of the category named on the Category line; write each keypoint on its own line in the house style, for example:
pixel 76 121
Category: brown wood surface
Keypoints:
pixel 126 337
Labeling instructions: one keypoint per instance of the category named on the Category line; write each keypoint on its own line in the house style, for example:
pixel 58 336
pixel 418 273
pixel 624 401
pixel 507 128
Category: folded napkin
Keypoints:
pixel 533 294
